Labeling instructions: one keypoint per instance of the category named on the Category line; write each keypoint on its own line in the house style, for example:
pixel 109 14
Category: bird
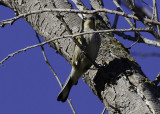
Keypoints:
pixel 80 63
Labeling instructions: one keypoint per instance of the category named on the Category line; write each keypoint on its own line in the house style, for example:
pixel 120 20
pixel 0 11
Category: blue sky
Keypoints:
pixel 27 86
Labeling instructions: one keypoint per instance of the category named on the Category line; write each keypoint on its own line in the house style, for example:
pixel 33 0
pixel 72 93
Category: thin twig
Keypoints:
pixel 155 15
pixel 134 24
pixel 136 32
pixel 127 19
pixel 12 20
pixel 68 100
pixel 139 12
pixel 131 24
pixel 116 16
pixel 53 71
pixel 146 4
pixel 103 110
pixel 144 40
pixel 47 62
pixel 133 44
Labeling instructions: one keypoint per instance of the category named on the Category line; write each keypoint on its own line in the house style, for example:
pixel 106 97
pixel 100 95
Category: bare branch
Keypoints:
pixel 155 15
pixel 131 24
pixel 139 12
pixel 116 16
pixel 150 42
pixel 103 110
pixel 135 76
pixel 136 32
pixel 55 74
pixel 133 44
pixel 12 20
pixel 144 40
pixel 135 25
pixel 146 4
pixel 127 19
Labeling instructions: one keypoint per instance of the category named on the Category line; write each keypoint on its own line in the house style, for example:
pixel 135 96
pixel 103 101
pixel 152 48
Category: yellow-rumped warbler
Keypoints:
pixel 80 63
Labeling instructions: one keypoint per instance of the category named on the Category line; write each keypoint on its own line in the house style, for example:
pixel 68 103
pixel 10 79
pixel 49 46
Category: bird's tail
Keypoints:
pixel 63 95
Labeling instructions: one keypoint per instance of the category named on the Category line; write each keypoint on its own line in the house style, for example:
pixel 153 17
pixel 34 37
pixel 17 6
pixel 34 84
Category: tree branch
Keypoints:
pixel 123 88
pixel 12 20
pixel 53 71
pixel 155 15
pixel 150 42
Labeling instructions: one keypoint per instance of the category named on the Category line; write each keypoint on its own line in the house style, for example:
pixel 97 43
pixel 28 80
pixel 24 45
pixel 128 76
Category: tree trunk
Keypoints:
pixel 122 87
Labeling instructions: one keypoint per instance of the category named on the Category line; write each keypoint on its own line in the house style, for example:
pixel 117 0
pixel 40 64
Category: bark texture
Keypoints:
pixel 122 87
